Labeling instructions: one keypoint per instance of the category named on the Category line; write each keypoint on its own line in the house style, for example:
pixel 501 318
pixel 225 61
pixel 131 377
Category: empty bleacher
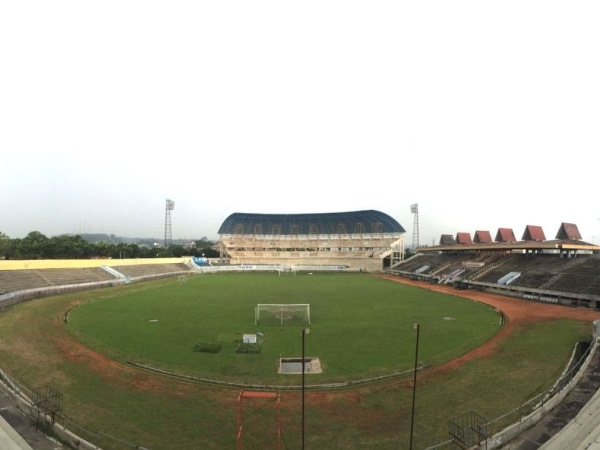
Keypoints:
pixel 583 277
pixel 536 271
pixel 148 270
pixel 27 279
pixel 15 280
pixel 547 277
pixel 436 262
pixel 445 266
pixel 574 280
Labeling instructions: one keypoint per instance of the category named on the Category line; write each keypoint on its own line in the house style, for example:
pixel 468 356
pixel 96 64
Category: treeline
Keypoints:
pixel 38 246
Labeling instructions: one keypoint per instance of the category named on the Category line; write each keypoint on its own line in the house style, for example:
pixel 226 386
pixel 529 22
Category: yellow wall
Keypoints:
pixel 75 263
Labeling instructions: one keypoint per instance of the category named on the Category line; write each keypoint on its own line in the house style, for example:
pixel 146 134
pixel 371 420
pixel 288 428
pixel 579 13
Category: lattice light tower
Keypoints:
pixel 415 210
pixel 170 206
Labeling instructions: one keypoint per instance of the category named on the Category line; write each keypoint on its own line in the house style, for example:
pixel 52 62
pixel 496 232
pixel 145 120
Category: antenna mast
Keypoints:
pixel 415 210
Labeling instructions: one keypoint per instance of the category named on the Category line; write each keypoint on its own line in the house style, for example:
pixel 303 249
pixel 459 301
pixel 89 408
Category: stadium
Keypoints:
pixel 360 240
pixel 549 286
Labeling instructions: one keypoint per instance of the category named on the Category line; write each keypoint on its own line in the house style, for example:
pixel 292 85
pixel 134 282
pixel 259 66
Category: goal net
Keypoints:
pixel 278 313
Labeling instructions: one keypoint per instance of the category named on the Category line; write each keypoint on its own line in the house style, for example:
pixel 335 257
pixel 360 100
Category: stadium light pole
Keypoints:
pixel 305 331
pixel 412 419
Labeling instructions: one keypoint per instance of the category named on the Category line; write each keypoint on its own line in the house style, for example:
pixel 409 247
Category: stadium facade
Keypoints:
pixel 366 240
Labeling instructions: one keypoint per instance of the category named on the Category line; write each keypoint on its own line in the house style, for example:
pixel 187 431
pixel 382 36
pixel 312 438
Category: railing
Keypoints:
pixel 65 428
pixel 519 414
pixel 492 265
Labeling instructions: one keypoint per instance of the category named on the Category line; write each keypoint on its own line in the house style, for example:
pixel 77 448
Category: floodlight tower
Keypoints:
pixel 415 210
pixel 170 206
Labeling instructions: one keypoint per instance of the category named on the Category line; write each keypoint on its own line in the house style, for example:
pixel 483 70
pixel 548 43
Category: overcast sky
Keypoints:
pixel 485 114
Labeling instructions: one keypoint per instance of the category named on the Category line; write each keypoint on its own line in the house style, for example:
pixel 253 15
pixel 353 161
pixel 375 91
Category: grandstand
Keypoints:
pixel 361 240
pixel 564 270
pixel 24 280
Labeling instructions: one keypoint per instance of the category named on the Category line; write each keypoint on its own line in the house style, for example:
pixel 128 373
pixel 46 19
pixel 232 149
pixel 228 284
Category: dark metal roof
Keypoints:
pixel 351 222
pixel 447 239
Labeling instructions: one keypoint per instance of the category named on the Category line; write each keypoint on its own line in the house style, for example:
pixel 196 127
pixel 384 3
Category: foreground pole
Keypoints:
pixel 305 331
pixel 412 420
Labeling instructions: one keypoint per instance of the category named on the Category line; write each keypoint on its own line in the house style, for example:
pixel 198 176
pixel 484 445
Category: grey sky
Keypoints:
pixel 484 113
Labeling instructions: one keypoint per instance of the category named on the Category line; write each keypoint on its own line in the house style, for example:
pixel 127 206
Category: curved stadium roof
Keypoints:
pixel 371 221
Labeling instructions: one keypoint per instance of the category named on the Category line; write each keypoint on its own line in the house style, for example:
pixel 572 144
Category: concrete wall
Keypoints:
pixel 502 438
pixel 364 264
pixel 78 263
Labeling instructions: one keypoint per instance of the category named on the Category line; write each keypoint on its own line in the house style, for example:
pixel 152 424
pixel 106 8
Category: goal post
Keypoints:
pixel 281 313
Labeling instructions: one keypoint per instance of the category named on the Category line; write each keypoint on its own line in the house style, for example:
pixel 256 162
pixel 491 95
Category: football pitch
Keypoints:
pixel 360 327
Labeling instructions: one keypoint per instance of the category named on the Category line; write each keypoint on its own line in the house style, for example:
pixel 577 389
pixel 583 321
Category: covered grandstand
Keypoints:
pixel 564 270
pixel 359 240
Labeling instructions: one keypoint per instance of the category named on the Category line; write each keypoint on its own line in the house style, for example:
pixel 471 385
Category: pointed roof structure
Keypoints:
pixel 533 233
pixel 482 237
pixel 568 231
pixel 447 239
pixel 505 235
pixel 568 241
pixel 463 238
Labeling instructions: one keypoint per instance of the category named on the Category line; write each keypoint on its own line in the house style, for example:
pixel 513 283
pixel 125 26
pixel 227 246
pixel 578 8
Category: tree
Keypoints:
pixel 5 246
pixel 123 250
pixel 37 246
pixel 204 247
pixel 178 250
pixel 100 249
pixel 34 246
pixel 68 247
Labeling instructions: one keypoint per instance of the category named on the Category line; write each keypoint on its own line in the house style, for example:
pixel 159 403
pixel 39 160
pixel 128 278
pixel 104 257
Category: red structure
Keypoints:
pixel 257 401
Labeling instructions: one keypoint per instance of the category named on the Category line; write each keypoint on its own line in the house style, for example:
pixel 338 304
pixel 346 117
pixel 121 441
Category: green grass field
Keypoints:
pixel 361 326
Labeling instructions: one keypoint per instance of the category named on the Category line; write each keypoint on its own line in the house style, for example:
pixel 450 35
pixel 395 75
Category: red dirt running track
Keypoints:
pixel 516 312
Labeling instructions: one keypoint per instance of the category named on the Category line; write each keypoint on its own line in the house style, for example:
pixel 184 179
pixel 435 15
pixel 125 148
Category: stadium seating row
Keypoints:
pixel 16 280
pixel 579 274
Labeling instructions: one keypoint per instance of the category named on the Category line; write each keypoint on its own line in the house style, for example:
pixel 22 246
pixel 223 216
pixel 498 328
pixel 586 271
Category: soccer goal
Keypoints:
pixel 279 313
